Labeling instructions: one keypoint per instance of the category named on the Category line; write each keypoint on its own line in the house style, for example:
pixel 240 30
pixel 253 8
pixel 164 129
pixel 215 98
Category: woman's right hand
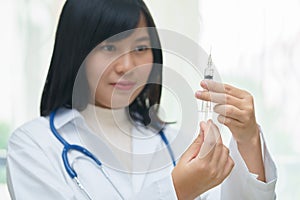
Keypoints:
pixel 193 175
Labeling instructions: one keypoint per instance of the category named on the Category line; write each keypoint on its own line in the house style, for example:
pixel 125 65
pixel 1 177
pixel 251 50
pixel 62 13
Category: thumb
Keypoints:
pixel 203 126
pixel 194 148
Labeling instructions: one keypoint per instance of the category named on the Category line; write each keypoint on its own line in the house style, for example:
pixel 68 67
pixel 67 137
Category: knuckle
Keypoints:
pixel 249 107
pixel 227 98
pixel 227 88
pixel 227 121
pixel 229 111
pixel 213 173
pixel 242 125
pixel 203 167
pixel 245 92
pixel 219 145
pixel 247 118
pixel 226 150
pixel 248 97
pixel 221 119
pixel 231 162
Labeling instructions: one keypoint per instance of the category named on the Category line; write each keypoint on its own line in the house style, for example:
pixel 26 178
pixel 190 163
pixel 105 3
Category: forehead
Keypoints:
pixel 141 32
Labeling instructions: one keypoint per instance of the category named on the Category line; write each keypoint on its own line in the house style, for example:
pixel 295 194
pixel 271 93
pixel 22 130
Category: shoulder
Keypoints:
pixel 31 141
pixel 37 132
pixel 30 130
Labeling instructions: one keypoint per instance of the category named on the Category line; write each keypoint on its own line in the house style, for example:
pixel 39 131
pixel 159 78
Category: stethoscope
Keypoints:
pixel 71 147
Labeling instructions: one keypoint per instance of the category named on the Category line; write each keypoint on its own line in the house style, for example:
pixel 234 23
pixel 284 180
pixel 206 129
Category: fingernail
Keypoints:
pixel 198 94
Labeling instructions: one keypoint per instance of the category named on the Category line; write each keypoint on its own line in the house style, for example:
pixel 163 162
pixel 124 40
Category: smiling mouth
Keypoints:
pixel 124 85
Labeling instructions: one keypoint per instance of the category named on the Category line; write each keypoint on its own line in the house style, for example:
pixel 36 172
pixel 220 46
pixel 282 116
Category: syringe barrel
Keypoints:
pixel 207 105
pixel 209 73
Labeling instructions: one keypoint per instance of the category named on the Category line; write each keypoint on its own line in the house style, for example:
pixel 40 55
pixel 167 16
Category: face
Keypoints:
pixel 117 71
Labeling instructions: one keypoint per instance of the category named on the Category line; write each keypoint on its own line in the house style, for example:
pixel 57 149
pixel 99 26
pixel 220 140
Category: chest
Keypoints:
pixel 150 163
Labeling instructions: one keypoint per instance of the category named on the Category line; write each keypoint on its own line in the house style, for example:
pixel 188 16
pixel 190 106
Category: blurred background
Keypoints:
pixel 256 46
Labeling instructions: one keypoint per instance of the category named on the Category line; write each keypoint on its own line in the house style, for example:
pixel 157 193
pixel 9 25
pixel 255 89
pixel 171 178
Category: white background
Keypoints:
pixel 255 45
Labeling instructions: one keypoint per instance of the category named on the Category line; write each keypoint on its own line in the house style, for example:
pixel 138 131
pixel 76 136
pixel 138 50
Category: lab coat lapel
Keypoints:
pixel 110 163
pixel 145 144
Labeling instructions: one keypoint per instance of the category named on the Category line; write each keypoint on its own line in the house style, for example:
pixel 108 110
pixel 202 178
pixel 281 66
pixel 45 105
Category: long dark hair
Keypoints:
pixel 83 24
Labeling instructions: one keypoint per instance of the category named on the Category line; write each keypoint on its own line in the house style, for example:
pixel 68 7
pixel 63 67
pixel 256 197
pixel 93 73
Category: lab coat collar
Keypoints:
pixel 65 115
pixel 145 141
pixel 146 144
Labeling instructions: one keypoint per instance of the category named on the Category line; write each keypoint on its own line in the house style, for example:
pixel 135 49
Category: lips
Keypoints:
pixel 124 85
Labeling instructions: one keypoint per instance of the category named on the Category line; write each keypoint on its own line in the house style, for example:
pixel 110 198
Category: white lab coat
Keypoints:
pixel 36 170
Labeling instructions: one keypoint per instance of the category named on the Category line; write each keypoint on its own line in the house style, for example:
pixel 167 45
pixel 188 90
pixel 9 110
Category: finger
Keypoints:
pixel 216 132
pixel 223 158
pixel 228 111
pixel 218 148
pixel 230 122
pixel 228 167
pixel 223 88
pixel 211 135
pixel 218 98
pixel 202 126
pixel 217 152
pixel 193 149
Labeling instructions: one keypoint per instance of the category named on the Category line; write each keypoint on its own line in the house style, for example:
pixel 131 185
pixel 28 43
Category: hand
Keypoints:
pixel 193 175
pixel 235 108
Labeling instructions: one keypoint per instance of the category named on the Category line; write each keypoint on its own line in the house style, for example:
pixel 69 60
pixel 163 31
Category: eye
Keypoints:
pixel 141 48
pixel 109 48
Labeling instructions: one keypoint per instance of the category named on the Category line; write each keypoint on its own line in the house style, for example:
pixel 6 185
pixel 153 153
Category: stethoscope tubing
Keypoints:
pixel 69 147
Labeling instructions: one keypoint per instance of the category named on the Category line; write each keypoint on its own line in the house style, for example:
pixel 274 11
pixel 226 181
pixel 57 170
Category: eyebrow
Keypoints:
pixel 141 39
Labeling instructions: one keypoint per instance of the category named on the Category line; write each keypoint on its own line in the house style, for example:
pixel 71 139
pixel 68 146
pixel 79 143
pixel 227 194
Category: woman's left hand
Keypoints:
pixel 235 108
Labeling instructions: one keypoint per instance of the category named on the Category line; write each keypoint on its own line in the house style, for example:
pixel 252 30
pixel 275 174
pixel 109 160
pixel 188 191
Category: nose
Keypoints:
pixel 124 63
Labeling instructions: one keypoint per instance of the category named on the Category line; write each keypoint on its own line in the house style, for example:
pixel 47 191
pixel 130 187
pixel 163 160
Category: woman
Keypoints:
pixel 94 79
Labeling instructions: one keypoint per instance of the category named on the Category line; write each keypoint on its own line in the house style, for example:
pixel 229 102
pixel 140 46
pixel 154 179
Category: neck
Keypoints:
pixel 113 126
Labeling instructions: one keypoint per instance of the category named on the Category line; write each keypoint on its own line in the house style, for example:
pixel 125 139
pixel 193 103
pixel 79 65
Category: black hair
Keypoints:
pixel 83 24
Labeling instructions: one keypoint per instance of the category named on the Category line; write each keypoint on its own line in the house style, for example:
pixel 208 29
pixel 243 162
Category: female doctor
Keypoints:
pixel 101 142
